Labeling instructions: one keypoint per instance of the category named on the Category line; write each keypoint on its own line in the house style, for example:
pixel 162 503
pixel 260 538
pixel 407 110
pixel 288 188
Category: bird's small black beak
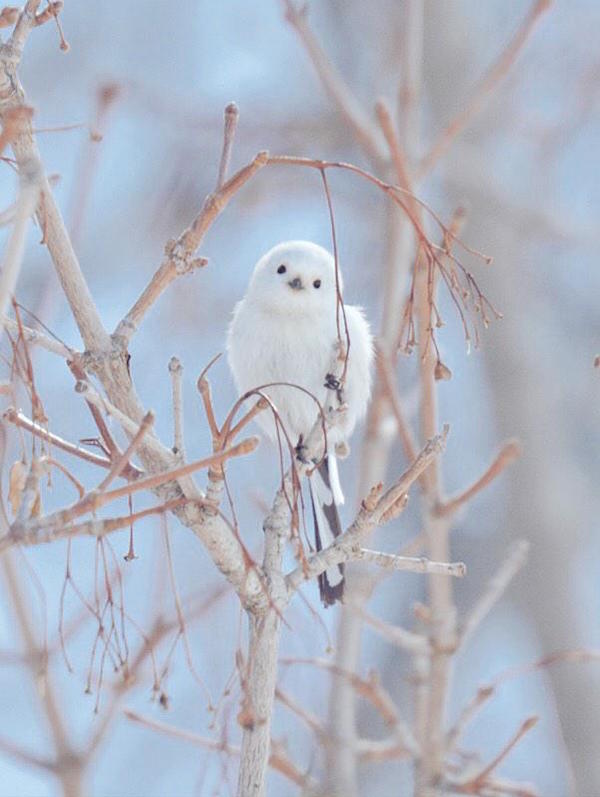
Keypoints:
pixel 295 284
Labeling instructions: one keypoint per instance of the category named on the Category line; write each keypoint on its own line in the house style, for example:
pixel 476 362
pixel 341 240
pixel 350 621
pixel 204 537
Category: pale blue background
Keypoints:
pixel 527 170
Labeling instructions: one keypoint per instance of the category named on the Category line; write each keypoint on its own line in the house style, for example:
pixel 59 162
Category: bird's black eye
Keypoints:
pixel 281 269
pixel 317 284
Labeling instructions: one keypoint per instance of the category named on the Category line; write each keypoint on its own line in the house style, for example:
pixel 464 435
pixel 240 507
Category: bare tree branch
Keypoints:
pixel 509 452
pixel 487 85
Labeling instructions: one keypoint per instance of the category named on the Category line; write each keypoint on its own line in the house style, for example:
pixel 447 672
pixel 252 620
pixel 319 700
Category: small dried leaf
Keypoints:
pixel 442 372
pixel 16 481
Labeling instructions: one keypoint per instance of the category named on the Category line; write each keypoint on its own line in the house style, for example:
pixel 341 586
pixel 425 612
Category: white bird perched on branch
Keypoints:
pixel 287 329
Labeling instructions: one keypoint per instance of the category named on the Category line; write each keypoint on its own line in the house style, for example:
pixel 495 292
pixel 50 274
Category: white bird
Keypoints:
pixel 285 330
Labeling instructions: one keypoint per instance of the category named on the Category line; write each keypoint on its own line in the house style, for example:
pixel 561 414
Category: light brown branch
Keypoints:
pixel 510 451
pixel 260 405
pixel 89 528
pixel 203 386
pixel 278 760
pixel 67 765
pixel 13 416
pixel 467 714
pixel 398 155
pixel 231 117
pixel 121 462
pixel 179 253
pixel 494 590
pixel 35 337
pixel 10 748
pixel 410 564
pixel 478 781
pixel 25 23
pixel 346 103
pixel 50 12
pixel 29 191
pixel 373 509
pixel 489 82
pixel 372 690
pixel 176 371
pixel 387 381
pixel 397 636
pixel 308 718
pixel 8 16
pixel 32 532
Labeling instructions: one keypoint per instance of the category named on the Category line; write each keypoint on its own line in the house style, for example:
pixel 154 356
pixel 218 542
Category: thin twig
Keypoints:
pixel 495 589
pixel 14 416
pixel 475 783
pixel 35 337
pixel 487 85
pixel 231 117
pixel 180 253
pixel 29 191
pixel 466 716
pixel 95 499
pixel 277 760
pixel 372 512
pixel 510 451
pixel 410 564
pixel 121 462
pixel 399 637
pixel 348 106
pixel 176 371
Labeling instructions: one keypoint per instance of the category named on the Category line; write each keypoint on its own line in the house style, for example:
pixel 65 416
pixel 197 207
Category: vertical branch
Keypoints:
pixel 29 188
pixel 257 711
pixel 51 222
pixel 231 117
pixel 399 240
pixel 67 766
pixel 176 371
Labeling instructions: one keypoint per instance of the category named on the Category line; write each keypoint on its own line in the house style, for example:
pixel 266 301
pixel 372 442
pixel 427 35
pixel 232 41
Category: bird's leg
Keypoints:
pixel 333 383
pixel 301 451
pixel 342 449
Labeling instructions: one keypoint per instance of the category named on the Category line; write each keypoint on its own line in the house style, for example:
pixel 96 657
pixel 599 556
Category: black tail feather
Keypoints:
pixel 325 511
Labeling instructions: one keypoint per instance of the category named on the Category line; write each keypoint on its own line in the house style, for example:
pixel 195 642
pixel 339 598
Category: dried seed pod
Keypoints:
pixel 442 372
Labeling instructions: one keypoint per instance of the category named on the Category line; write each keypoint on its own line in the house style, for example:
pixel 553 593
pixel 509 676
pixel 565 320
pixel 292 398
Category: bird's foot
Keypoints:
pixel 342 449
pixel 302 451
pixel 333 383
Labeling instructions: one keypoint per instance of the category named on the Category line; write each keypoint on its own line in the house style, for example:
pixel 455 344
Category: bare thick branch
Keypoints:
pixel 347 546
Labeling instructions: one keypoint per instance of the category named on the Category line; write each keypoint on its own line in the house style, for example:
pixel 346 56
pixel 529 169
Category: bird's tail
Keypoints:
pixel 325 493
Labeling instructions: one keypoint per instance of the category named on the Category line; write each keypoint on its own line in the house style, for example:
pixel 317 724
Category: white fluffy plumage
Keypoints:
pixel 284 330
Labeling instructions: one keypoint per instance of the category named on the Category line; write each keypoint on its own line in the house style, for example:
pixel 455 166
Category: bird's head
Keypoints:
pixel 295 278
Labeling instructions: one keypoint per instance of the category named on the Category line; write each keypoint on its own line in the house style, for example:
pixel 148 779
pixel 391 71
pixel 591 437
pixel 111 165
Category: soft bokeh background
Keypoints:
pixel 527 170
